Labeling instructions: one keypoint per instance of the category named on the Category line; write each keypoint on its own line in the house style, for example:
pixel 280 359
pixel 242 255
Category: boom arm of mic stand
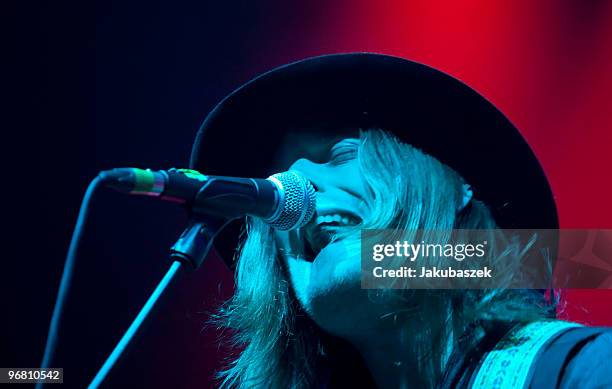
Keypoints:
pixel 189 251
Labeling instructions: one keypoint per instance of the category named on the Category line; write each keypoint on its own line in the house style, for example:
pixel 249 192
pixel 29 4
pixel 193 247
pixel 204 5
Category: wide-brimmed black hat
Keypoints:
pixel 265 124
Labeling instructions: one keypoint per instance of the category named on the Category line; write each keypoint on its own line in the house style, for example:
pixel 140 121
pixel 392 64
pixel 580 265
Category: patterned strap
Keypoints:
pixel 509 364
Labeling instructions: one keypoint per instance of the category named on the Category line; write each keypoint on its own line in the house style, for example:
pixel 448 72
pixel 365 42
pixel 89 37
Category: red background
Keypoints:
pixel 546 64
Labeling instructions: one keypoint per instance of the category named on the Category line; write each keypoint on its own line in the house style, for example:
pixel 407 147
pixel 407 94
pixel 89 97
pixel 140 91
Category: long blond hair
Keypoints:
pixel 282 347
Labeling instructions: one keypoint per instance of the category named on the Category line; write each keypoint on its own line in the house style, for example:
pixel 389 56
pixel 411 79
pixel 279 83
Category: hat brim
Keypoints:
pixel 330 96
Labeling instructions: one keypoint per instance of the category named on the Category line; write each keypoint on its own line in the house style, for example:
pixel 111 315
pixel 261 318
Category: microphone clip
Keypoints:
pixel 195 242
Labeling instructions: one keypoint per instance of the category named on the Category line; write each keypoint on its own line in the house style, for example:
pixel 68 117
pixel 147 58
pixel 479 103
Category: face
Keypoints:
pixel 325 272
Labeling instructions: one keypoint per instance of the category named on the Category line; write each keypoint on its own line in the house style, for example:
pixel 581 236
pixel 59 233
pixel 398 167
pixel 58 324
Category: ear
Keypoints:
pixel 466 196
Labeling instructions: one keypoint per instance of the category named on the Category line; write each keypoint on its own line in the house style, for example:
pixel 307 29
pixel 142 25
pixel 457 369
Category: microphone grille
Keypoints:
pixel 297 201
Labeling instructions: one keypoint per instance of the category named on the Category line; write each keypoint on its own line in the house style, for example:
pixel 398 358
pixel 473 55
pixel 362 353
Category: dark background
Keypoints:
pixel 100 84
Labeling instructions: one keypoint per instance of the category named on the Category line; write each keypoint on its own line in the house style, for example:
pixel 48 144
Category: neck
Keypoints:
pixel 392 357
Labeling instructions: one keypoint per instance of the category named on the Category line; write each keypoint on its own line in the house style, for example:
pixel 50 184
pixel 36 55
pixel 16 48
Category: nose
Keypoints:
pixel 311 171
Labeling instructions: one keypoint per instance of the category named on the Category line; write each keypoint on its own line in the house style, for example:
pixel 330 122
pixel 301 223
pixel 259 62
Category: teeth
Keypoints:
pixel 336 218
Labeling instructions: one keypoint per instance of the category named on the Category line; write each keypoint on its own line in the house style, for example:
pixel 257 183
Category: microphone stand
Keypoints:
pixel 189 252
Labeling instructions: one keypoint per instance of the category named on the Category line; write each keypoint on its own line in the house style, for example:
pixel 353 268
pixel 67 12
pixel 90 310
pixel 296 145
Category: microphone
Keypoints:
pixel 285 200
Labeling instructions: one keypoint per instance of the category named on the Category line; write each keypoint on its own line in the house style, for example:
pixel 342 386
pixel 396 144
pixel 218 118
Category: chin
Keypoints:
pixel 334 299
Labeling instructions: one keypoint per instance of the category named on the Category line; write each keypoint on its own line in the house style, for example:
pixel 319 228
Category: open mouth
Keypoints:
pixel 323 229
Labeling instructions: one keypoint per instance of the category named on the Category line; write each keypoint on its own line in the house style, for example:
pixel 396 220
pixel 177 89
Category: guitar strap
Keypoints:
pixel 510 363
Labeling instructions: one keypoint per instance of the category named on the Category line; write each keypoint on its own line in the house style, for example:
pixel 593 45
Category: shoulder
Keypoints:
pixel 578 357
pixel 548 354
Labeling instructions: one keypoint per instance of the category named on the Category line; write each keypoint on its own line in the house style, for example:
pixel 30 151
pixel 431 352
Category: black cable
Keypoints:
pixel 66 280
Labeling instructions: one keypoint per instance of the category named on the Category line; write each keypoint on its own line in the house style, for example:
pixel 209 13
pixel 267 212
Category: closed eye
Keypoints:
pixel 342 153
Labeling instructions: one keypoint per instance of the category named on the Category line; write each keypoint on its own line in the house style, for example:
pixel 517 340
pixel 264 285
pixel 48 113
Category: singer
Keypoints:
pixel 386 143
